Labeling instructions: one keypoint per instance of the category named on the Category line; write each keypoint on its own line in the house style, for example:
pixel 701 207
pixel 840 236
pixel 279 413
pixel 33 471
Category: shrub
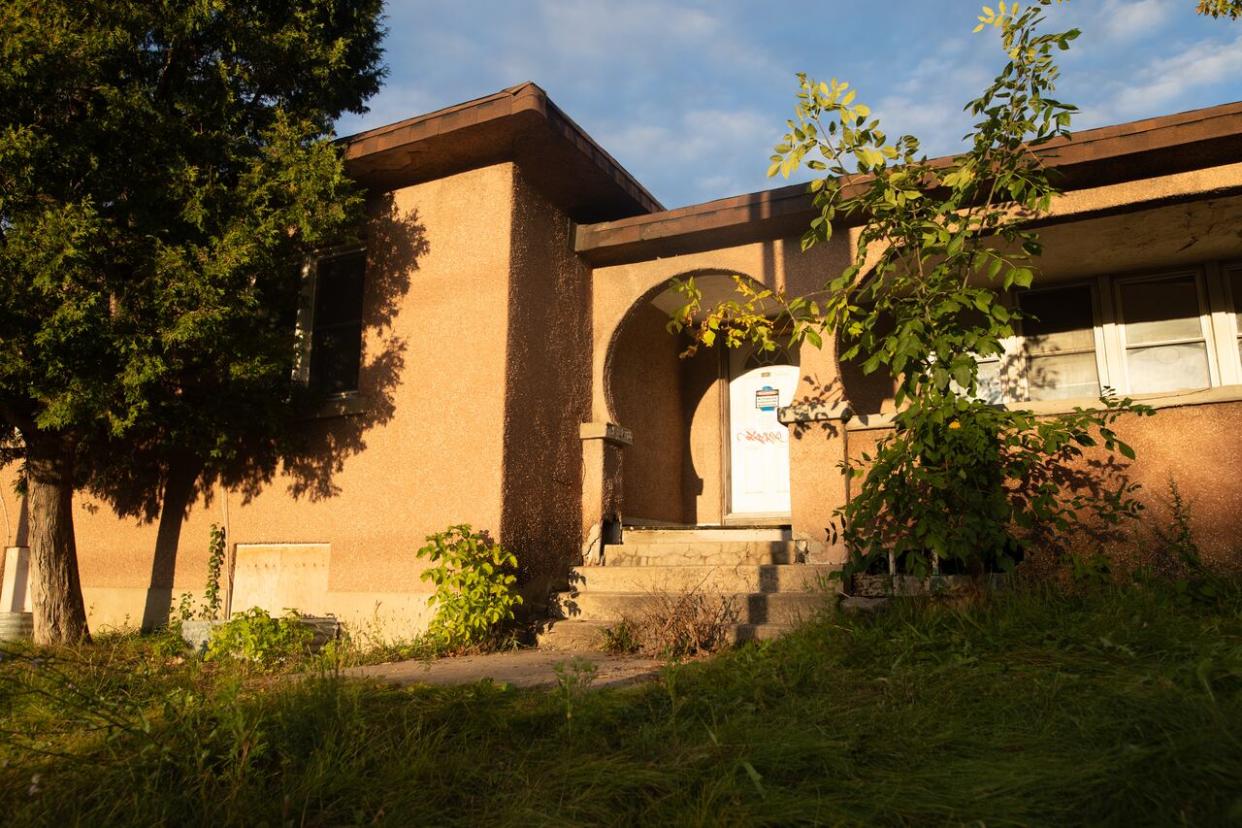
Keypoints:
pixel 972 487
pixel 474 579
pixel 255 636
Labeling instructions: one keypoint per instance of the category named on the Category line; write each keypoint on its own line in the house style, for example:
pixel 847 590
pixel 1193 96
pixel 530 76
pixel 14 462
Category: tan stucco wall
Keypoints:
pixel 490 341
pixel 1194 446
pixel 547 393
pixel 428 451
pixel 647 390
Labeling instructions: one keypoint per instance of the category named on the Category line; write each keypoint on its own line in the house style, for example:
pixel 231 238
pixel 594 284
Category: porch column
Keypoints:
pixel 603 445
pixel 818 443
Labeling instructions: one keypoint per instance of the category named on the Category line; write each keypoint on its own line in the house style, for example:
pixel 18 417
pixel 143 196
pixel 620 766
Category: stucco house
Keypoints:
pixel 497 355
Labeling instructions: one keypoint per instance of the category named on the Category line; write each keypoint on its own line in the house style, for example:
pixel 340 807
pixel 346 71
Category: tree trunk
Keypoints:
pixel 59 612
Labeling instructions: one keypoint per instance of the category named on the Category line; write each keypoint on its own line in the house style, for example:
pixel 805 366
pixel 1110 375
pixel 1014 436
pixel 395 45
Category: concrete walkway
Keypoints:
pixel 519 668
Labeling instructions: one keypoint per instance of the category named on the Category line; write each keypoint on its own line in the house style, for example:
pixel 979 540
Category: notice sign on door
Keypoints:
pixel 767 398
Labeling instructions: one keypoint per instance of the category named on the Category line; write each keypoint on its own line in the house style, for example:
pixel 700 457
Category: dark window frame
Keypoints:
pixel 343 322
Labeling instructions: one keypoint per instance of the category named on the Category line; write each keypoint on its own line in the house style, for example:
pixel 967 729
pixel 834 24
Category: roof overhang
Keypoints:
pixel 1133 151
pixel 519 124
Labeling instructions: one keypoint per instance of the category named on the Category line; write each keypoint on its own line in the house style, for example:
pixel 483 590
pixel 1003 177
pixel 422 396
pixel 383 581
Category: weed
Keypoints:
pixel 573 678
pixel 1116 705
pixel 209 609
pixel 255 637
pixel 215 562
pixel 1175 550
pixel 675 625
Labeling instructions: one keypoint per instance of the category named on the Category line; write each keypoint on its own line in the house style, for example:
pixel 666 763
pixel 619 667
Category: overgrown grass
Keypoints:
pixel 1115 706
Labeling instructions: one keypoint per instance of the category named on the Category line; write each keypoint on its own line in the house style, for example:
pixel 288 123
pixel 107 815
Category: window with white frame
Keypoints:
pixel 1058 357
pixel 1163 324
pixel 1233 282
pixel 1147 334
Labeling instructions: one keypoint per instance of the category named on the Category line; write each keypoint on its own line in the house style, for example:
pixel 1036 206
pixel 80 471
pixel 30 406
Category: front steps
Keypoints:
pixel 770 582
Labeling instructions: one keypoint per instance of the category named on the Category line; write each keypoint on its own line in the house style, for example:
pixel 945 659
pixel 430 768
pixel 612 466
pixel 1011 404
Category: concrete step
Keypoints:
pixel 690 553
pixel 785 608
pixel 573 635
pixel 590 635
pixel 705 534
pixel 744 578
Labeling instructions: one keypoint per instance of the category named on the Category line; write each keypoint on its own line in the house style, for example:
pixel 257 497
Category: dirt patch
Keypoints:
pixel 520 668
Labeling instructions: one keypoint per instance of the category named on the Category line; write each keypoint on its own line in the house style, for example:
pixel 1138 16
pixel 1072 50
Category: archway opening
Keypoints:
pixel 677 407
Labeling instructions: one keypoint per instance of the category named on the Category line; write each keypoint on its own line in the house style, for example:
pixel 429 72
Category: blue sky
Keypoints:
pixel 690 96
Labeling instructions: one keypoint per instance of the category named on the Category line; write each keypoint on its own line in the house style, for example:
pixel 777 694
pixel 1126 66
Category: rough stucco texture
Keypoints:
pixel 1196 447
pixel 546 393
pixel 647 391
pixel 426 452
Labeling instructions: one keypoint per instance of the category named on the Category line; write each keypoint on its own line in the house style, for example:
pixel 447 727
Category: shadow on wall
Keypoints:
pixel 395 244
pixel 547 395
pixel 656 393
pixel 164 483
pixel 827 395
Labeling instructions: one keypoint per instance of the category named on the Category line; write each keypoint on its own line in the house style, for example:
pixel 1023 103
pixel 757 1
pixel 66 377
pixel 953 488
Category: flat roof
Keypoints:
pixel 519 124
pixel 1108 155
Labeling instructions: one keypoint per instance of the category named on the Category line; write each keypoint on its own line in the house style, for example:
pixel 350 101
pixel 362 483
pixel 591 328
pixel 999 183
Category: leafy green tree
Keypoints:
pixel 1221 8
pixel 958 481
pixel 164 167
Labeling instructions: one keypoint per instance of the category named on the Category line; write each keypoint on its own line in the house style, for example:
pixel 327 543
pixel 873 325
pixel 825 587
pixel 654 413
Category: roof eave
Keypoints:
pixel 519 124
pixel 1109 155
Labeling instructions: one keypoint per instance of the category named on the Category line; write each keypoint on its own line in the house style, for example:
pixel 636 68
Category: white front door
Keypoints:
pixel 759 384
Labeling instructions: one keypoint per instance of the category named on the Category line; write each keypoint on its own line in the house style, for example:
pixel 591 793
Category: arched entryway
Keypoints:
pixel 708 448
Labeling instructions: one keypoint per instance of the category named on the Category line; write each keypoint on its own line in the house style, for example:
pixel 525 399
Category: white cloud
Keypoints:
pixel 595 29
pixel 700 134
pixel 722 151
pixel 1158 87
pixel 929 104
pixel 1127 20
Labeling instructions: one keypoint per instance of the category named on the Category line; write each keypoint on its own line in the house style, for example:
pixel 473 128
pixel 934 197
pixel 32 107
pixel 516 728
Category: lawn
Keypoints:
pixel 1038 706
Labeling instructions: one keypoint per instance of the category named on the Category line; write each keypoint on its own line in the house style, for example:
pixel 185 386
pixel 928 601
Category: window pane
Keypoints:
pixel 335 356
pixel 338 289
pixel 336 344
pixel 1235 285
pixel 1168 367
pixel 1058 320
pixel 990 390
pixel 1062 377
pixel 1162 310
